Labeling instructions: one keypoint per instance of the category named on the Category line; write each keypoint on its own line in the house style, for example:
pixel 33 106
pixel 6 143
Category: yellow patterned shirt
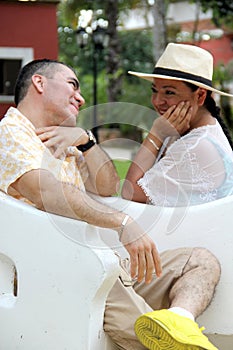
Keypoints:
pixel 21 150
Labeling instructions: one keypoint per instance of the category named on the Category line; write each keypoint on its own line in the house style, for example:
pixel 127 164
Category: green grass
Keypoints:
pixel 122 167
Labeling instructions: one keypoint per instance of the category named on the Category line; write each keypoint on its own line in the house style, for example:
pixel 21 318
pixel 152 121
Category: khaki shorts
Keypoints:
pixel 129 299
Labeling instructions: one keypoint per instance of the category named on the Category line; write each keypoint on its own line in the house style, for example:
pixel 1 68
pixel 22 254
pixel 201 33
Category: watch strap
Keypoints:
pixel 89 144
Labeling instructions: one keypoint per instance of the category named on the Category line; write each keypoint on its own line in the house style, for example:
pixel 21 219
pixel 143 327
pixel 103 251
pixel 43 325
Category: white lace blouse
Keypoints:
pixel 196 168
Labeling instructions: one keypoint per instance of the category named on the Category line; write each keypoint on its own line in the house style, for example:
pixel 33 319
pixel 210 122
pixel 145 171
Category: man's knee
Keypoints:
pixel 204 259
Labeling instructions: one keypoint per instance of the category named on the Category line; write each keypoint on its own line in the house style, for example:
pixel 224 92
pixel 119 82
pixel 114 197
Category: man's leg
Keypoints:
pixel 189 296
pixel 123 307
pixel 124 304
pixel 194 290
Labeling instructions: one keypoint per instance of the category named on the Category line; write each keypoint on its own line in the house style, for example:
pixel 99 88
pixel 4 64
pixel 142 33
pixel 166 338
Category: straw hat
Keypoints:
pixel 186 63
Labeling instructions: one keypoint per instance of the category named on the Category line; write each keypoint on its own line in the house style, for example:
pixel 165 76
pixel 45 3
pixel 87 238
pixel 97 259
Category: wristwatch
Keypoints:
pixel 89 144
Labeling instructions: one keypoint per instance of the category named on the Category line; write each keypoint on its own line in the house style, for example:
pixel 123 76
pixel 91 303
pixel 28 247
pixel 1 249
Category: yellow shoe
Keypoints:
pixel 165 330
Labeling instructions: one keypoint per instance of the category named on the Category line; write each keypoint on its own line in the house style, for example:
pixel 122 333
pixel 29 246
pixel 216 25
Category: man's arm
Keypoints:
pixel 48 194
pixel 103 178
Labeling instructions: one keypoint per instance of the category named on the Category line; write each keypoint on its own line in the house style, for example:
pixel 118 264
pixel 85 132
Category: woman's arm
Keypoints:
pixel 175 122
pixel 143 161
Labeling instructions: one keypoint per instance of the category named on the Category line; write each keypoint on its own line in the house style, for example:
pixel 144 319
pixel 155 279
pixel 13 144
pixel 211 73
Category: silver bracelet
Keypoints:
pixel 153 143
pixel 124 222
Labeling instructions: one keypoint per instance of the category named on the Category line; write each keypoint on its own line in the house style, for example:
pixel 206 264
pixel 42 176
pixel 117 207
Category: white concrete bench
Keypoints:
pixel 208 225
pixel 65 271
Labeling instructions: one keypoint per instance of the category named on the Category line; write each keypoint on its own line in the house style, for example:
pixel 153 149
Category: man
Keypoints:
pixel 48 161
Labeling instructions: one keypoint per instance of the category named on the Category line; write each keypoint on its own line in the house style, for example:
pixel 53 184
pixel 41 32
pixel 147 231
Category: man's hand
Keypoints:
pixel 102 179
pixel 144 257
pixel 58 138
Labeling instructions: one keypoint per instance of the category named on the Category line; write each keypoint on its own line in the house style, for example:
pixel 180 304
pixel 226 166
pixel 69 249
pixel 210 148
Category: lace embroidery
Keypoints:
pixel 159 199
pixel 183 177
pixel 205 181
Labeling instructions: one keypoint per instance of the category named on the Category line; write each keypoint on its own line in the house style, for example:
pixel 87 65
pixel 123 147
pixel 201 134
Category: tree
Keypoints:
pixel 110 11
pixel 114 72
pixel 222 78
pixel 222 15
pixel 222 11
pixel 160 27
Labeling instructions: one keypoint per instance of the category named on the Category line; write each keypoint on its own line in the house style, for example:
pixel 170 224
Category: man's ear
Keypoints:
pixel 38 82
pixel 201 93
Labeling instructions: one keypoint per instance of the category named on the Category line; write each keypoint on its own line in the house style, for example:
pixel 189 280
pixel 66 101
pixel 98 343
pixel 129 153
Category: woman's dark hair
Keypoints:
pixel 214 110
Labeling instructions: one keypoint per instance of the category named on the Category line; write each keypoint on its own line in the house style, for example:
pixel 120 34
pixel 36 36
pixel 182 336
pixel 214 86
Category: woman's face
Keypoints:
pixel 166 93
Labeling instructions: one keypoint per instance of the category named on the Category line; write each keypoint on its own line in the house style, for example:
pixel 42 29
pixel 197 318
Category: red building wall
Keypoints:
pixel 25 24
pixel 221 49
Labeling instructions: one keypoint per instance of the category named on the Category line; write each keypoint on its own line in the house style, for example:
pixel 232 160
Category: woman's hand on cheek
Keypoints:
pixel 174 122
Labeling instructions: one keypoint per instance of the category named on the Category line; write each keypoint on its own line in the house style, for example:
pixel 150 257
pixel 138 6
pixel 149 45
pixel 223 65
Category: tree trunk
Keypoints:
pixel 196 23
pixel 113 57
pixel 160 28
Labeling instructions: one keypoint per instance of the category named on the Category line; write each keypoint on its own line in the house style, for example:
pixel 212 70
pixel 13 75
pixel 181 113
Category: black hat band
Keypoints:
pixel 182 75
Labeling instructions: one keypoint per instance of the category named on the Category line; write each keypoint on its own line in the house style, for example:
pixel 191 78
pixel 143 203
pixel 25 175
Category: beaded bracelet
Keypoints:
pixel 124 222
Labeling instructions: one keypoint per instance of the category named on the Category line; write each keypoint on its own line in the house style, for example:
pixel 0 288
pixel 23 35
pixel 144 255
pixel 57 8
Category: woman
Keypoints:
pixel 187 156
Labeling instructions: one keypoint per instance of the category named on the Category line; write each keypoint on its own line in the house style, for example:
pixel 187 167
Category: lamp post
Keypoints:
pixel 99 39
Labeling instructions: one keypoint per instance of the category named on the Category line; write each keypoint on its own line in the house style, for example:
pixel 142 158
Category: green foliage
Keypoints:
pixel 222 11
pixel 223 75
pixel 86 88
pixel 136 54
pixel 71 8
pixel 137 50
pixel 136 90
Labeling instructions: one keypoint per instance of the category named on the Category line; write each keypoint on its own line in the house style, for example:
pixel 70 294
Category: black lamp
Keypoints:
pixel 82 37
pixel 99 39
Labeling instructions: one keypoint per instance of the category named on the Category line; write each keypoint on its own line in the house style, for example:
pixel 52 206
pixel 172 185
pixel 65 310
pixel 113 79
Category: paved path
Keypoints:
pixel 120 148
pixel 118 153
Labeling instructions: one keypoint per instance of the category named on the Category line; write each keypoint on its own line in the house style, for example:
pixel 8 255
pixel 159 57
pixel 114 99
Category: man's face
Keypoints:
pixel 62 98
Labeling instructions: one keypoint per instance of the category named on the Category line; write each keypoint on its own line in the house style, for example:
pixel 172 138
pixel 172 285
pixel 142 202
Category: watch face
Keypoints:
pixel 91 136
